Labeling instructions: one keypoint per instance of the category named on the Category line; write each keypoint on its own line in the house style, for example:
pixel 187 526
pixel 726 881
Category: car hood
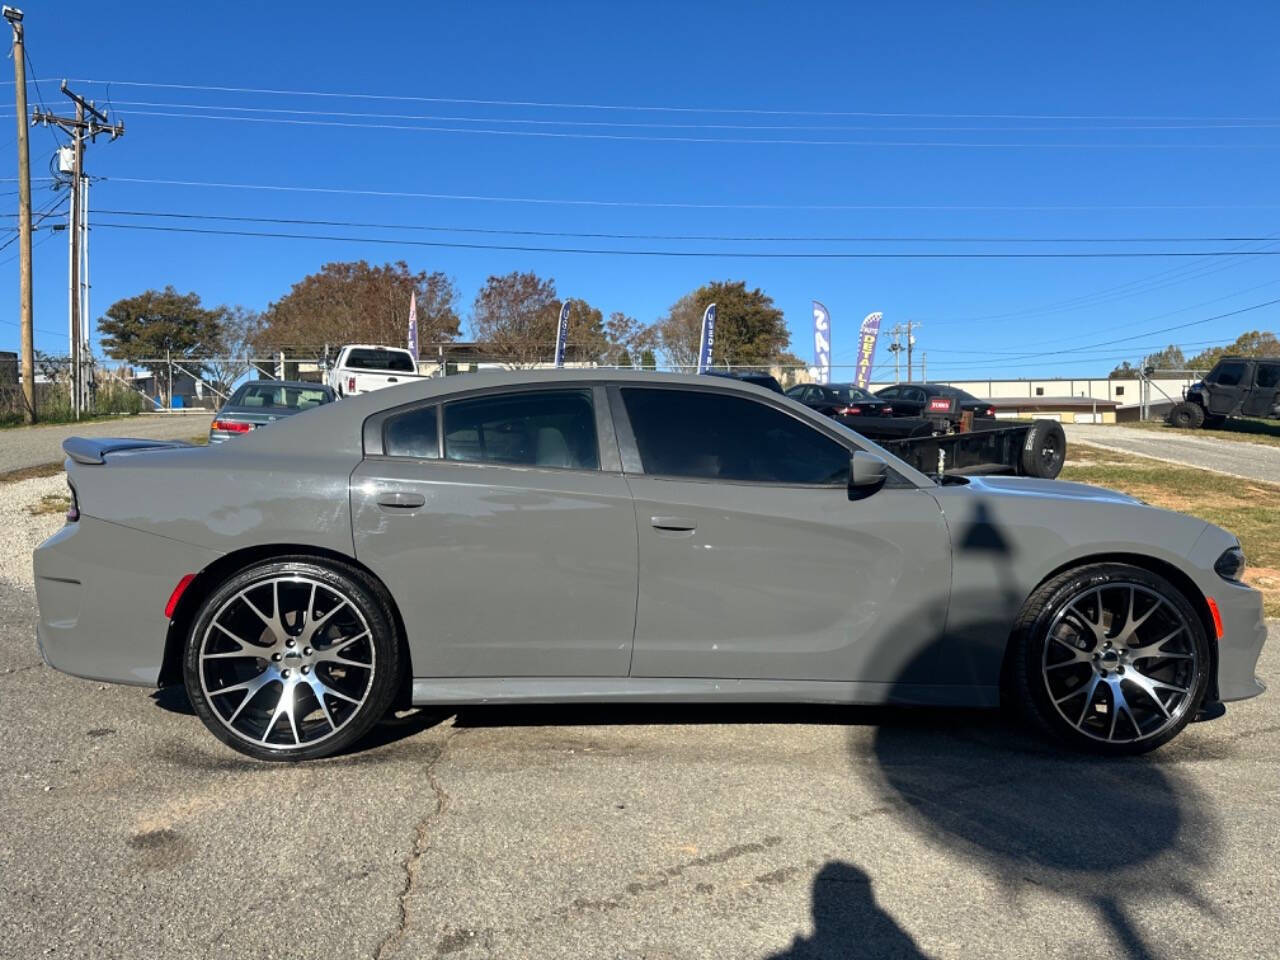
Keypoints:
pixel 1048 489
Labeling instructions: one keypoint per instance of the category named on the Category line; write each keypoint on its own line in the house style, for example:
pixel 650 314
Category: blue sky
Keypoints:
pixel 1173 68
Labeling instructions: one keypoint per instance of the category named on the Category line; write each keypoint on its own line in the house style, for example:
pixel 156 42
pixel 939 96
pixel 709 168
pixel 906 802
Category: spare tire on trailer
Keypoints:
pixel 1189 416
pixel 1043 451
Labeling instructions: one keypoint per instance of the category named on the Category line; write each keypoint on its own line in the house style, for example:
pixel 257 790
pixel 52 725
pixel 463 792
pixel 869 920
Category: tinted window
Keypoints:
pixel 1227 374
pixel 798 391
pixel 393 360
pixel 1268 375
pixel 720 437
pixel 889 393
pixel 848 393
pixel 412 434
pixel 944 391
pixel 264 393
pixel 547 428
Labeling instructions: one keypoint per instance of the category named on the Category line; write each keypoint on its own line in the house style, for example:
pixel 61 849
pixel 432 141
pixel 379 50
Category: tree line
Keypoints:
pixel 1253 343
pixel 513 315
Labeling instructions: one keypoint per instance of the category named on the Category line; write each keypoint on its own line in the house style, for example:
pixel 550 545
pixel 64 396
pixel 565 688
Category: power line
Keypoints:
pixel 633 124
pixel 651 108
pixel 302 221
pixel 771 255
pixel 733 141
pixel 648 204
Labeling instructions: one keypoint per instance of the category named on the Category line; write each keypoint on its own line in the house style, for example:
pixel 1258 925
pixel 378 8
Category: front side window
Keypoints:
pixel 713 436
pixel 889 393
pixel 1227 374
pixel 545 428
pixel 412 434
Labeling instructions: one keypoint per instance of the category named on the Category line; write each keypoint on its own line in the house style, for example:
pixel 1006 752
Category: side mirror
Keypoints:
pixel 867 474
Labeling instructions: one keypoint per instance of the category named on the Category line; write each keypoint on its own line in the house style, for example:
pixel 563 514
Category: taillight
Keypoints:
pixel 887 411
pixel 73 511
pixel 351 384
pixel 991 411
pixel 848 411
pixel 231 426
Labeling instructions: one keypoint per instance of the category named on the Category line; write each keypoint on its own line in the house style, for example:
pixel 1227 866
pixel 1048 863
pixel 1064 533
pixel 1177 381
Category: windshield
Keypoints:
pixel 268 394
pixel 398 361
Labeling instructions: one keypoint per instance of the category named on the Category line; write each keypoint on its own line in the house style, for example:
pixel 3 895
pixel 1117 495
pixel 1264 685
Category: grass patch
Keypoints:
pixel 50 503
pixel 1249 509
pixel 32 473
pixel 1246 429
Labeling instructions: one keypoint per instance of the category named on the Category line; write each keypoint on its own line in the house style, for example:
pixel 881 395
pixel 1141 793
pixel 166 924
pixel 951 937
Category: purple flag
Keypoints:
pixel 867 348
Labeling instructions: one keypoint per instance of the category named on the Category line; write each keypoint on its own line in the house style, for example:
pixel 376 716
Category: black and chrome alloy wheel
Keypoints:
pixel 291 660
pixel 1114 658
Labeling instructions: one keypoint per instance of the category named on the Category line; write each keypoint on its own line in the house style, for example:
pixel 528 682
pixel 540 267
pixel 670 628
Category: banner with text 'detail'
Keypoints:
pixel 708 338
pixel 562 333
pixel 867 348
pixel 413 324
pixel 821 343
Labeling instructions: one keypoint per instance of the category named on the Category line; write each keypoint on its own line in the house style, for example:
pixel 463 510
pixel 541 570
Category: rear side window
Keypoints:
pixel 1227 374
pixel 1269 375
pixel 412 434
pixel 392 360
pixel 545 428
pixel 712 436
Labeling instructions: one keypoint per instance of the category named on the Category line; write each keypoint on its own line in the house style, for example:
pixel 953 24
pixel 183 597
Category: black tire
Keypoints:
pixel 352 658
pixel 1044 450
pixel 1187 416
pixel 1041 668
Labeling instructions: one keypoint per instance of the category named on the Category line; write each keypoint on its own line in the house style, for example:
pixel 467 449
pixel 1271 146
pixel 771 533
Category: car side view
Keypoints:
pixel 614 536
pixel 1235 387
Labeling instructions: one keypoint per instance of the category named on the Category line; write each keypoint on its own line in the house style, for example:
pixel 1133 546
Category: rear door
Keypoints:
pixel 754 562
pixel 1262 399
pixel 504 528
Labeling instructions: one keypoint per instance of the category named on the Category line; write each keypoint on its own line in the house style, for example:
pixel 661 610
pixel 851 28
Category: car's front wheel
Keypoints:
pixel 292 659
pixel 1110 658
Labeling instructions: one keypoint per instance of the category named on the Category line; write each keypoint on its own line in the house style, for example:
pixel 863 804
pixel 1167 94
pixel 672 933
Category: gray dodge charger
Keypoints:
pixel 596 535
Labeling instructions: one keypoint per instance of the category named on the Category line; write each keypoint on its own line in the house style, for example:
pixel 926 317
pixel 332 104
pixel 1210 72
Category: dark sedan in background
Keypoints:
pixel 262 401
pixel 840 400
pixel 917 400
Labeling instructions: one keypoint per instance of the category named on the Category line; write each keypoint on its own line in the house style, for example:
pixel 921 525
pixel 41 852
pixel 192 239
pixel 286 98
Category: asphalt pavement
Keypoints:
pixel 633 832
pixel 22 447
pixel 1252 461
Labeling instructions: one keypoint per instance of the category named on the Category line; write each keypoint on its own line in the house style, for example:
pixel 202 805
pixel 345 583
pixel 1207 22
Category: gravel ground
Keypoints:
pixel 616 832
pixel 22 447
pixel 1253 461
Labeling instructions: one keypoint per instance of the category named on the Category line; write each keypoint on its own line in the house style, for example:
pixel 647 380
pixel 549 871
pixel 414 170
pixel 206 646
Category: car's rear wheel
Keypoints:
pixel 1188 416
pixel 292 659
pixel 1110 658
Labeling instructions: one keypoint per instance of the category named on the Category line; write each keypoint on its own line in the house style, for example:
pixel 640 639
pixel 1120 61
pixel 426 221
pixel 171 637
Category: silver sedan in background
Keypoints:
pixel 260 402
pixel 607 536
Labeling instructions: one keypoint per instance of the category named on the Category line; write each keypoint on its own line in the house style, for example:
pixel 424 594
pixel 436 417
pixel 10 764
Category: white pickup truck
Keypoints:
pixel 361 368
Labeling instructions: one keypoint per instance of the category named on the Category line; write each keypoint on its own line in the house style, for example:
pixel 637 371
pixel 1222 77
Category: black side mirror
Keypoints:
pixel 867 474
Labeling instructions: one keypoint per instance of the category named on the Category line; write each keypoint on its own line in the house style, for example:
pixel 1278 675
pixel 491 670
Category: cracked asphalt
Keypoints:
pixel 622 832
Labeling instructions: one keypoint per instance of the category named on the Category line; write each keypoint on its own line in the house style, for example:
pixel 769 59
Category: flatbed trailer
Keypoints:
pixel 1029 448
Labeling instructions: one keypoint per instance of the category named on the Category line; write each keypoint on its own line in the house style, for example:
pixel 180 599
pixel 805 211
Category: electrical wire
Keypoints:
pixel 755 255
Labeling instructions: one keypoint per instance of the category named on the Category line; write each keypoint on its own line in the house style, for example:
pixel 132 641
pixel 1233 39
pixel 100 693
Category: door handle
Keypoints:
pixel 673 524
pixel 400 499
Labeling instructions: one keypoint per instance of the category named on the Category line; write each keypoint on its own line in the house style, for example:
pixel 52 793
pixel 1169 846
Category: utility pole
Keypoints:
pixel 88 123
pixel 14 16
pixel 911 342
pixel 896 349
pixel 924 367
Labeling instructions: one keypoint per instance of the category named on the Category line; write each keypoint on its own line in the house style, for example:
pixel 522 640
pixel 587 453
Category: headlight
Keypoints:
pixel 1230 565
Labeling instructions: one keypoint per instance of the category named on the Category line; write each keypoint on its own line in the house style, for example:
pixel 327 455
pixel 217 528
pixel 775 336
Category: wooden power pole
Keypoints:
pixel 14 17
pixel 88 123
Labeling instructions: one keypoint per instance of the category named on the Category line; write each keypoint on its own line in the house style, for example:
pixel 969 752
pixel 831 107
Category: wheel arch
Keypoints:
pixel 208 580
pixel 1195 596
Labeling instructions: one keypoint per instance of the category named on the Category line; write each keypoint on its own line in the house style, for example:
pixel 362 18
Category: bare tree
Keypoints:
pixel 239 327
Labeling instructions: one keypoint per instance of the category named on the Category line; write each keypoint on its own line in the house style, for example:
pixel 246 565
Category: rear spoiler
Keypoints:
pixel 95 449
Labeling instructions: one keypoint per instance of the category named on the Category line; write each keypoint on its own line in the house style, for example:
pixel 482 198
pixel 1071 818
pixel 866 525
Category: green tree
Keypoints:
pixel 143 330
pixel 1170 358
pixel 516 314
pixel 356 302
pixel 648 360
pixel 623 359
pixel 1126 371
pixel 1254 343
pixel 750 330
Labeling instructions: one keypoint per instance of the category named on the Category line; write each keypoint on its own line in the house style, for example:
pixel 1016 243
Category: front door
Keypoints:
pixel 1227 383
pixel 508 549
pixel 754 562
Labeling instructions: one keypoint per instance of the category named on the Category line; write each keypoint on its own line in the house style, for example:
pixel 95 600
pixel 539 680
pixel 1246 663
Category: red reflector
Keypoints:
pixel 174 597
pixel 230 426
pixel 1217 617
